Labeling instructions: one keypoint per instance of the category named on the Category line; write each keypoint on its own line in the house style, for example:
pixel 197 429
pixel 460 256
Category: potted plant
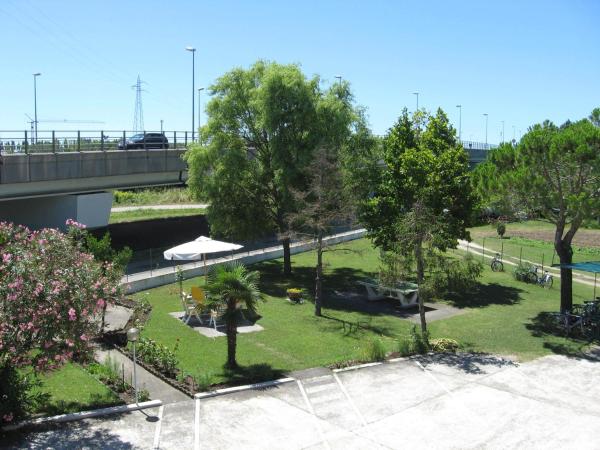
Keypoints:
pixel 294 295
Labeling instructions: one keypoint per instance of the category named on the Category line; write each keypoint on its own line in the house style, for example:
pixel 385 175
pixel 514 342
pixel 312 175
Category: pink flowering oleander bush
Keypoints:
pixel 50 290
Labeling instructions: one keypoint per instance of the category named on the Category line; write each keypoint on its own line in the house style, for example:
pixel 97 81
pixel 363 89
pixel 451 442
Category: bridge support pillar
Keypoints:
pixel 92 210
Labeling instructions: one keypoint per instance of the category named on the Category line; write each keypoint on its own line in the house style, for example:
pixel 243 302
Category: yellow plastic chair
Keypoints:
pixel 199 296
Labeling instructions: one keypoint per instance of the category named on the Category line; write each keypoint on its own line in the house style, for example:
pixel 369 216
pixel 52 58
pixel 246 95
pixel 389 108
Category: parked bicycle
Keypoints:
pixel 546 280
pixel 496 264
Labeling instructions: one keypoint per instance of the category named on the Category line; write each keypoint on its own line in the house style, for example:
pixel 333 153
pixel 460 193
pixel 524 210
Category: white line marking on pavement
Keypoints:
pixel 452 396
pixel 312 411
pixel 352 404
pixel 158 427
pixel 197 426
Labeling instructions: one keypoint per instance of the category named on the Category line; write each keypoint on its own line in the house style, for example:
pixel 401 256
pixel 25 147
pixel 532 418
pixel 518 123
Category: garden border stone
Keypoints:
pixel 85 414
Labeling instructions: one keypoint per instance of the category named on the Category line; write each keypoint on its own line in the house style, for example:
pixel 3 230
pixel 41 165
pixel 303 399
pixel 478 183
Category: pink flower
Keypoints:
pixel 74 223
pixel 8 417
pixel 100 303
pixel 83 337
pixel 6 257
pixel 72 315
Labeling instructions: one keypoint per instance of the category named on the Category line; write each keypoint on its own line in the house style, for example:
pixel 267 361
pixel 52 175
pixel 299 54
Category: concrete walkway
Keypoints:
pixel 158 389
pixel 177 206
pixel 438 401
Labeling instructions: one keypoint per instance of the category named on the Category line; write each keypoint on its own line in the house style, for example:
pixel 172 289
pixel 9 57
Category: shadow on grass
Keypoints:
pixel 62 406
pixel 472 363
pixel 571 352
pixel 254 373
pixel 485 295
pixel 274 283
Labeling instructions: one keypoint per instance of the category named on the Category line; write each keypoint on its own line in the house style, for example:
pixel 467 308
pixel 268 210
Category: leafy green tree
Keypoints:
pixel 263 126
pixel 424 196
pixel 553 172
pixel 232 286
pixel 107 256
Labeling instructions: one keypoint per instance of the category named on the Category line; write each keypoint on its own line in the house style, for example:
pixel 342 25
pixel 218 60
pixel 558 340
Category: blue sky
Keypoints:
pixel 518 61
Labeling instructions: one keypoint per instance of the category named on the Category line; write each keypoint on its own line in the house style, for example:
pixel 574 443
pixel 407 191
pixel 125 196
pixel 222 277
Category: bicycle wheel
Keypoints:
pixel 532 278
pixel 548 282
pixel 497 266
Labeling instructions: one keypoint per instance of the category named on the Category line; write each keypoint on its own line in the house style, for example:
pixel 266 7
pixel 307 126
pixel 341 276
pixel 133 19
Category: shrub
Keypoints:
pixel 452 276
pixel 158 356
pixel 500 229
pixel 294 294
pixel 50 290
pixel 374 350
pixel 404 347
pixel 444 345
pixel 17 396
pixel 123 197
pixel 521 272
pixel 204 381
pixel 419 341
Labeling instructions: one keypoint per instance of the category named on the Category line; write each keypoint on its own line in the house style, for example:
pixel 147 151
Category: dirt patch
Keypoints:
pixel 583 238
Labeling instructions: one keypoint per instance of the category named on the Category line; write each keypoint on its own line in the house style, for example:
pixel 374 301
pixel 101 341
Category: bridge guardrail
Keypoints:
pixel 60 141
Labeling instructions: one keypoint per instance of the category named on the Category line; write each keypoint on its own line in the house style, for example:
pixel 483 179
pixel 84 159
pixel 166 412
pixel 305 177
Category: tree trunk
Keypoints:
pixel 319 278
pixel 287 258
pixel 103 317
pixel 231 325
pixel 565 254
pixel 420 278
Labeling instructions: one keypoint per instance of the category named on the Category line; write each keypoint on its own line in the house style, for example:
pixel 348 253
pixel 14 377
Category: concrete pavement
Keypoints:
pixel 439 401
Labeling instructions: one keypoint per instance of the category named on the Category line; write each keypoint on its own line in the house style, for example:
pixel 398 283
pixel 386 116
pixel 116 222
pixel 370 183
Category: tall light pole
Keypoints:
pixel 161 125
pixel 199 116
pixel 35 75
pixel 339 78
pixel 193 50
pixel 459 122
pixel 503 131
pixel 486 128
pixel 417 94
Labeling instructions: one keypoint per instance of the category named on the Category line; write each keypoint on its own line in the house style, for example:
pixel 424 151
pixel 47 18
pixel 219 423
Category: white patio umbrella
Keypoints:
pixel 197 249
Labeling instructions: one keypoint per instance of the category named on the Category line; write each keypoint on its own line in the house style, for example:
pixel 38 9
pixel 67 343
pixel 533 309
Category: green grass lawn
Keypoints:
pixel 148 214
pixel 498 318
pixel 71 388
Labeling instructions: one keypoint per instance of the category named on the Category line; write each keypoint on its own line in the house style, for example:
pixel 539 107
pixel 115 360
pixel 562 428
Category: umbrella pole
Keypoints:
pixel 205 274
pixel 595 277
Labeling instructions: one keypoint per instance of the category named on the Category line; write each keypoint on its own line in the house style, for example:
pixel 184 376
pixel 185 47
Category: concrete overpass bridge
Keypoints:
pixel 40 187
pixel 45 180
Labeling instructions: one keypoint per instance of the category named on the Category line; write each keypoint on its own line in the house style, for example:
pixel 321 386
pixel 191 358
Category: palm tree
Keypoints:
pixel 232 286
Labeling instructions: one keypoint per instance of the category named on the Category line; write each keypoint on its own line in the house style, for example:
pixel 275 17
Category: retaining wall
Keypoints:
pixel 151 279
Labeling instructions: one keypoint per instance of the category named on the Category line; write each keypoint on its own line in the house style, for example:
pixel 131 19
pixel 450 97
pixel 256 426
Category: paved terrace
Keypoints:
pixel 440 401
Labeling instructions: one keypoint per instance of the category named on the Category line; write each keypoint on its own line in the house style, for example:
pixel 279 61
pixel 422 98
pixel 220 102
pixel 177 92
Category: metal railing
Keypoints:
pixel 473 145
pixel 58 141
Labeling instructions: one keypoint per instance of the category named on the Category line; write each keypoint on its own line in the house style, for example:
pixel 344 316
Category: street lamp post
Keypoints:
pixel 503 131
pixel 133 335
pixel 339 78
pixel 199 116
pixel 35 75
pixel 193 50
pixel 417 94
pixel 161 125
pixel 486 128
pixel 459 122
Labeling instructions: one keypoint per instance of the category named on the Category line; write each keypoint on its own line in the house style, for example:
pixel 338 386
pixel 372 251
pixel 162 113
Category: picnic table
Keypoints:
pixel 406 293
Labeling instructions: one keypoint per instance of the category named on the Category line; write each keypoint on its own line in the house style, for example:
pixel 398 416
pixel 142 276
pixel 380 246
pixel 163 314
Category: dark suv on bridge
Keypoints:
pixel 148 140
